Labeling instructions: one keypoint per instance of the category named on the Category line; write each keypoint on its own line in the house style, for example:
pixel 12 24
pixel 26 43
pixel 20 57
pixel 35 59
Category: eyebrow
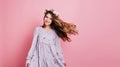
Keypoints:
pixel 48 17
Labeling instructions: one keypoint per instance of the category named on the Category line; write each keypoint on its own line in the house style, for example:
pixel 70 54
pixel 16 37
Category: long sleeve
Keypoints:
pixel 32 49
pixel 59 49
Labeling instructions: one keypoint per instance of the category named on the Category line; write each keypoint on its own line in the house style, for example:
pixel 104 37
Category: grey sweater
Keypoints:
pixel 45 49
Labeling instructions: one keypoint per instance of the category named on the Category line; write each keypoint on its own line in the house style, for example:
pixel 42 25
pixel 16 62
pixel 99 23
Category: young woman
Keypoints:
pixel 46 50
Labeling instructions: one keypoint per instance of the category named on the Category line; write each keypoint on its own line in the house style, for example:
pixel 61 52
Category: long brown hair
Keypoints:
pixel 62 28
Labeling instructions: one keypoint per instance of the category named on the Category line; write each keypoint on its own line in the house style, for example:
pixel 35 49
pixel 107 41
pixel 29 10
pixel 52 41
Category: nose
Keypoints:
pixel 47 20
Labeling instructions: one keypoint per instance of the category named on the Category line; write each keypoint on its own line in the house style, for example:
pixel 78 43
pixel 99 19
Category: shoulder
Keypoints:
pixel 38 28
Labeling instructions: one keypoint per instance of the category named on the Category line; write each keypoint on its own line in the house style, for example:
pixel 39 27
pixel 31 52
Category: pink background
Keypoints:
pixel 98 21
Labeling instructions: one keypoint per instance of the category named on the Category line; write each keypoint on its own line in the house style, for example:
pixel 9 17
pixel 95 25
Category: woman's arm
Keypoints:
pixel 34 42
pixel 59 49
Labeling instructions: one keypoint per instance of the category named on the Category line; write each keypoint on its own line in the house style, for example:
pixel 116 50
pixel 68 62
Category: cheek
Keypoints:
pixel 47 20
pixel 44 19
pixel 50 21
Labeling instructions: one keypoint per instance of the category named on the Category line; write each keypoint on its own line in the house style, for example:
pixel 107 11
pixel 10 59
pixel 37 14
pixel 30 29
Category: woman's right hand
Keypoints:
pixel 65 64
pixel 26 65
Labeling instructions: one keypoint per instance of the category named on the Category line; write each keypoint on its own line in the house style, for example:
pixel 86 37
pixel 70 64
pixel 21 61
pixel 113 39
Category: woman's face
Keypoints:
pixel 48 19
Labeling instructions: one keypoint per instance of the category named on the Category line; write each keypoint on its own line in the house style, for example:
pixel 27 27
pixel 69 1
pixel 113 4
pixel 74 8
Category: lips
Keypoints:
pixel 47 21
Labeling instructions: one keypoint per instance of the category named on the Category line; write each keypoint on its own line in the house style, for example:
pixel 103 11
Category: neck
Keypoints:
pixel 47 27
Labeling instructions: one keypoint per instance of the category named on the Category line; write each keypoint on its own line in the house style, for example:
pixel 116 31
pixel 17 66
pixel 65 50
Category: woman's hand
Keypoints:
pixel 65 64
pixel 26 65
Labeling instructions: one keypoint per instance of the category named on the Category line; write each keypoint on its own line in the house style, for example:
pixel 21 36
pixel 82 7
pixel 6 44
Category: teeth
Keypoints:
pixel 47 21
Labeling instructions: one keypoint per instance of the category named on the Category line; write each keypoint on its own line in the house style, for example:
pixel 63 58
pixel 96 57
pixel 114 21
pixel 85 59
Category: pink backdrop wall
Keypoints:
pixel 98 21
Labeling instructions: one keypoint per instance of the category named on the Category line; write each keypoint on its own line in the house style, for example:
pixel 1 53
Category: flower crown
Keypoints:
pixel 53 11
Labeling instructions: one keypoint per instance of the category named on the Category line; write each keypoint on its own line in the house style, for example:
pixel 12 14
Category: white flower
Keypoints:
pixel 54 12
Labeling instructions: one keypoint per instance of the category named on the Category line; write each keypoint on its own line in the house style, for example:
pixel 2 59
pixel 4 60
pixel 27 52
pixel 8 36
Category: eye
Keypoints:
pixel 46 17
pixel 51 18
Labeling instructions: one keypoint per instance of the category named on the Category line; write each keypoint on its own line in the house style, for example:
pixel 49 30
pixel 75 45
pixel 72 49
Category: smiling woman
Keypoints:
pixel 47 19
pixel 46 49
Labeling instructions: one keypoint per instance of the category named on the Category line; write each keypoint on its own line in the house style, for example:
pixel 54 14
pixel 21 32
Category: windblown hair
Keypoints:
pixel 62 29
